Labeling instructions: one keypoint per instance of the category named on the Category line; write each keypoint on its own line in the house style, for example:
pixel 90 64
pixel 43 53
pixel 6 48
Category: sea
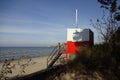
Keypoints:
pixel 23 52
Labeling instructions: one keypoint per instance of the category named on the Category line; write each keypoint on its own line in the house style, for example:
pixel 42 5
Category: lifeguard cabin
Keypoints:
pixel 77 38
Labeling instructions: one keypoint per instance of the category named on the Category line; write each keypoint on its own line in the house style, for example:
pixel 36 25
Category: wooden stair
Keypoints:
pixel 55 54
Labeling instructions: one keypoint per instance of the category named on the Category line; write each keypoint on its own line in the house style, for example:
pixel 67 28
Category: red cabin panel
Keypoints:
pixel 72 47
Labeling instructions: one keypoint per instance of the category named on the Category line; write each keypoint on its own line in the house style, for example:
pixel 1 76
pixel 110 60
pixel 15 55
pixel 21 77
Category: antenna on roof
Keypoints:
pixel 76 18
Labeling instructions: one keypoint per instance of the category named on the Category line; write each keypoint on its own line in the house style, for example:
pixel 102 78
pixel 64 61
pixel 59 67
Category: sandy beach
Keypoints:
pixel 26 66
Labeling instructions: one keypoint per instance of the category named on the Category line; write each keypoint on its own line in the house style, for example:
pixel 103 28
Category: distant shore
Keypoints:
pixel 26 66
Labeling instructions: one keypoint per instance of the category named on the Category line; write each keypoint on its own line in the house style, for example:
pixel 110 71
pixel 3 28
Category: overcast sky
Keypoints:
pixel 43 22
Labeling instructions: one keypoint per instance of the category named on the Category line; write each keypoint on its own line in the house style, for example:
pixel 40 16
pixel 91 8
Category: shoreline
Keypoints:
pixel 24 57
pixel 26 66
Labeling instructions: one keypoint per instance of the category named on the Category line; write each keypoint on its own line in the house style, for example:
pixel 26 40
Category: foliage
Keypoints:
pixel 7 68
pixel 95 59
pixel 23 64
pixel 106 56
pixel 112 7
pixel 108 23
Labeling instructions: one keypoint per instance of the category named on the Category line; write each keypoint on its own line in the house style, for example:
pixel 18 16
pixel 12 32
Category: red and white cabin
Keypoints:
pixel 76 38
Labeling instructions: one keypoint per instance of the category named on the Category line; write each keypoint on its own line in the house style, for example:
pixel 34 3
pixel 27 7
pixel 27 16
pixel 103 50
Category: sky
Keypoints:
pixel 43 22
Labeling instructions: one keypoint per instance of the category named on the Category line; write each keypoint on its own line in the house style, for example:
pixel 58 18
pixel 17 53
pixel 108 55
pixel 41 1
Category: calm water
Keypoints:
pixel 23 52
